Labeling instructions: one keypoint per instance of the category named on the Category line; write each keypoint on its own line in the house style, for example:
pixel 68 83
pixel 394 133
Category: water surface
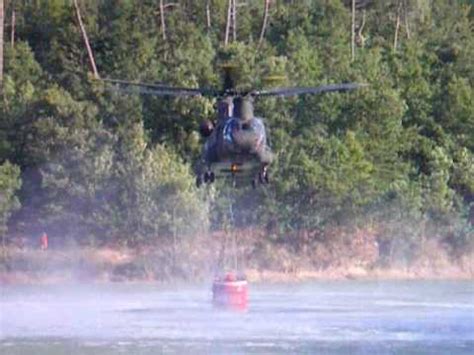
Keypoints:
pixel 396 317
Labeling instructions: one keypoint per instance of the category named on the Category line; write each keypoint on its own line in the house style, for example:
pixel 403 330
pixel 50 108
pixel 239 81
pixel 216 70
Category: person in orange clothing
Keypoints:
pixel 44 241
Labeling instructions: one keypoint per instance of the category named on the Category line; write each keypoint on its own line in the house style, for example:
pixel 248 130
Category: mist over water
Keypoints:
pixel 329 317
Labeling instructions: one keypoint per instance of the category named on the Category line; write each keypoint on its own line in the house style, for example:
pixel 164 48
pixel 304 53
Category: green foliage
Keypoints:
pixel 153 195
pixel 10 182
pixel 110 167
pixel 110 186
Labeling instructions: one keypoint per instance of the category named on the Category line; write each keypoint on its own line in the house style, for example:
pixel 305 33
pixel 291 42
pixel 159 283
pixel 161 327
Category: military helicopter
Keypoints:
pixel 236 144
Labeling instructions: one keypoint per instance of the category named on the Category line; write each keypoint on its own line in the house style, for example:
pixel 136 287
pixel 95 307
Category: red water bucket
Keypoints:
pixel 230 292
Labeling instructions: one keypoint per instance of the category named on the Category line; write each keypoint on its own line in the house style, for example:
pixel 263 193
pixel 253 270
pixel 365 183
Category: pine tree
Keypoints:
pixel 1 46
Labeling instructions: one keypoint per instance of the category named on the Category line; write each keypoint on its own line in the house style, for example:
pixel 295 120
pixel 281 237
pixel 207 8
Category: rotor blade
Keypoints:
pixel 308 90
pixel 157 89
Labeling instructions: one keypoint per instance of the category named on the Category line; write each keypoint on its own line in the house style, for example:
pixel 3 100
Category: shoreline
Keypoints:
pixel 253 276
pixel 195 262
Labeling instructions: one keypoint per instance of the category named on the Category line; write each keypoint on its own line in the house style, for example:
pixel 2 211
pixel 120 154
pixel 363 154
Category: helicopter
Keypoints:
pixel 236 143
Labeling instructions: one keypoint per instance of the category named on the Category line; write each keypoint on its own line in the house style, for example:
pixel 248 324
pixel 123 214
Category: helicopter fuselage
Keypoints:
pixel 237 148
pixel 238 143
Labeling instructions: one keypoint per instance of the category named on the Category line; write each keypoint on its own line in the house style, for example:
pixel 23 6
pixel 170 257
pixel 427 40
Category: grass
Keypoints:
pixel 342 253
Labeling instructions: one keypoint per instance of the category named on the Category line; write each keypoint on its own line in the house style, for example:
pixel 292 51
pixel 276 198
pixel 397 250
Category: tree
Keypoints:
pixel 10 182
pixel 264 22
pixel 13 24
pixel 162 10
pixel 162 20
pixel 231 23
pixel 86 40
pixel 208 14
pixel 1 46
pixel 93 159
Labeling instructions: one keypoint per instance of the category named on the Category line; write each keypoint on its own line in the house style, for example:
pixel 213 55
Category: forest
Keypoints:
pixel 390 165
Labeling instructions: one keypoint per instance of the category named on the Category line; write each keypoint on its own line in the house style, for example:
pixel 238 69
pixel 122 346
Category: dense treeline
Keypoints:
pixel 99 166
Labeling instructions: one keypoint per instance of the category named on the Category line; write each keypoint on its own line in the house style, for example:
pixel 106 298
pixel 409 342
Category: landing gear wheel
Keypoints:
pixel 263 176
pixel 198 181
pixel 254 183
pixel 209 177
pixel 266 178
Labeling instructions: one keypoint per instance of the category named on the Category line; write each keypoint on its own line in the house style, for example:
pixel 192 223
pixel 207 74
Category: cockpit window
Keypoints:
pixel 229 127
pixel 225 109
